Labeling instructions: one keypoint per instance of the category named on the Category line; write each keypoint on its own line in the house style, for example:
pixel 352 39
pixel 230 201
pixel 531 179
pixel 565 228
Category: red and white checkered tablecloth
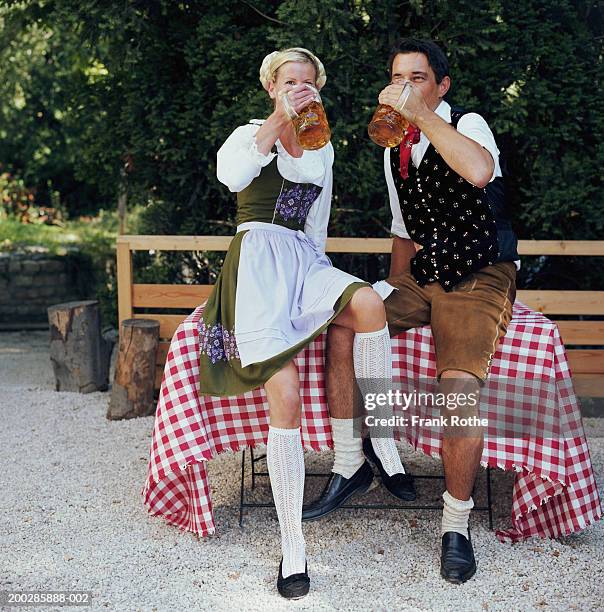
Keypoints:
pixel 554 492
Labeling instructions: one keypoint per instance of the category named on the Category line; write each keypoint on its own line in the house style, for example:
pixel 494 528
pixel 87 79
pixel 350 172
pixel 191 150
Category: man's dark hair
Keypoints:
pixel 436 56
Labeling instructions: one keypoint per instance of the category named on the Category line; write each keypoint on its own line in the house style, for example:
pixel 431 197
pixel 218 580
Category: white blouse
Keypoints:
pixel 239 162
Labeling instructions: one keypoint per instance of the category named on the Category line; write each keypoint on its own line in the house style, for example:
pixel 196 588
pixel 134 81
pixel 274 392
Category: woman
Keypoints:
pixel 278 291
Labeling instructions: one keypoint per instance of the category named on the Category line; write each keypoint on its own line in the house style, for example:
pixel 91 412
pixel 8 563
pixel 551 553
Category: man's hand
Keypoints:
pixel 462 154
pixel 403 251
pixel 414 105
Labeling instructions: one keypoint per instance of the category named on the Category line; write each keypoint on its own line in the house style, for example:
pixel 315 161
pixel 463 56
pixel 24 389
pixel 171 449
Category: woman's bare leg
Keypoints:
pixel 283 394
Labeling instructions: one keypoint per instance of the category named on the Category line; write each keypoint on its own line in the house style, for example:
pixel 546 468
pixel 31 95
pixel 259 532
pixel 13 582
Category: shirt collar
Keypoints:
pixel 443 110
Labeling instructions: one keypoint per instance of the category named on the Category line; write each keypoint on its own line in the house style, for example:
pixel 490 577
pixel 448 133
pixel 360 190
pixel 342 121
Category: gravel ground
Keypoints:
pixel 72 519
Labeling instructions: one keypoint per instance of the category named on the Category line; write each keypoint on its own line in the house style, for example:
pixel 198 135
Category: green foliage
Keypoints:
pixel 92 89
pixel 42 66
pixel 98 234
pixel 17 201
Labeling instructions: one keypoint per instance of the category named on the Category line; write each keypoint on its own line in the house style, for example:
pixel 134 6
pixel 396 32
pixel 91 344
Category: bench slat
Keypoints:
pixel 563 302
pixel 351 245
pixel 549 302
pixel 124 281
pixel 561 247
pixel 581 332
pixel 169 296
pixel 176 243
pixel 586 361
pixel 589 385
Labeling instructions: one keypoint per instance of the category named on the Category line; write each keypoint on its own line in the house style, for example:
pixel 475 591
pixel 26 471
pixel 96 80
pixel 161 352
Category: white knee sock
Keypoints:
pixel 285 461
pixel 456 513
pixel 372 354
pixel 348 449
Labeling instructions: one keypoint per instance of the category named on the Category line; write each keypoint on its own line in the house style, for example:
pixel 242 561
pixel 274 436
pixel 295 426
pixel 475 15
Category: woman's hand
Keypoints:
pixel 299 97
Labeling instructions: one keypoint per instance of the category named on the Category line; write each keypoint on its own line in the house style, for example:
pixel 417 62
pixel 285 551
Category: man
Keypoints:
pixel 453 266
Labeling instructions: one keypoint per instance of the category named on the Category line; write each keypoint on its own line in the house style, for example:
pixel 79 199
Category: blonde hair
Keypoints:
pixel 273 61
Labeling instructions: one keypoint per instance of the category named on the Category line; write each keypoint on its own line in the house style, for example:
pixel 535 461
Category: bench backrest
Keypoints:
pixel 587 364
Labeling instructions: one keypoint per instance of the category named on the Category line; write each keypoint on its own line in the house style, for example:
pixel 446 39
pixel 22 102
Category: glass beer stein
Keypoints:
pixel 387 126
pixel 310 124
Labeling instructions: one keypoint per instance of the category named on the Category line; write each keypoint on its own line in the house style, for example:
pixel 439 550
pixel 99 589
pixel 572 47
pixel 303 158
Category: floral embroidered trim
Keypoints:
pixel 295 202
pixel 217 342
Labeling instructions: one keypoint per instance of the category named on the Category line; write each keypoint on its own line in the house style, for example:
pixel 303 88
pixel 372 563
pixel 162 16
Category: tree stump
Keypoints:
pixel 133 386
pixel 79 354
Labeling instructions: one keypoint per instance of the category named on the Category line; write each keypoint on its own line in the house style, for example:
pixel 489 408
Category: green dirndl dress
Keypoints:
pixel 276 291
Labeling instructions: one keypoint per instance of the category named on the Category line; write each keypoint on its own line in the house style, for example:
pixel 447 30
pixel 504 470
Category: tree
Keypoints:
pixel 160 84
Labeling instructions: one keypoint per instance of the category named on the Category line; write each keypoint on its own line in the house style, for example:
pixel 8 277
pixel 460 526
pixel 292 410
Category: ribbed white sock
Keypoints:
pixel 456 513
pixel 372 354
pixel 348 449
pixel 285 461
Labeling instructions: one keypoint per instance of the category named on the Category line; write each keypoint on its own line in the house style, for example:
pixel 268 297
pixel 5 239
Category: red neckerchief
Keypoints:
pixel 410 138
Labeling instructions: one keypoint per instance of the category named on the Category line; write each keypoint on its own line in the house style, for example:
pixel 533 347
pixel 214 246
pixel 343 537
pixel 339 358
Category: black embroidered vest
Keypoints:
pixel 461 228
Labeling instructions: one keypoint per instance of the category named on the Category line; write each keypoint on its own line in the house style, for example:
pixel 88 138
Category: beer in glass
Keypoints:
pixel 387 126
pixel 310 124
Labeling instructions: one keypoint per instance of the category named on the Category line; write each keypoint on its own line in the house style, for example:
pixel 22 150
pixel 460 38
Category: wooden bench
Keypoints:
pixel 579 336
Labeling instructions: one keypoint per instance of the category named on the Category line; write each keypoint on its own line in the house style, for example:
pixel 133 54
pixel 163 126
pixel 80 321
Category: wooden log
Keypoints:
pixel 134 383
pixel 79 354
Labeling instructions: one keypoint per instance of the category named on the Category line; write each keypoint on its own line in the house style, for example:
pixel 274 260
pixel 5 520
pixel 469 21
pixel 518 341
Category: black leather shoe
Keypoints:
pixel 337 491
pixel 400 485
pixel 457 562
pixel 294 586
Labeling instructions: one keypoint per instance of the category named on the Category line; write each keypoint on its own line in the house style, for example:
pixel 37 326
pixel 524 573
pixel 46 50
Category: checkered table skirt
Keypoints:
pixel 554 491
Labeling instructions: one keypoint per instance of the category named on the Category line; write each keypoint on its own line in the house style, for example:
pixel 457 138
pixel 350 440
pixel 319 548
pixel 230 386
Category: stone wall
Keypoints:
pixel 30 282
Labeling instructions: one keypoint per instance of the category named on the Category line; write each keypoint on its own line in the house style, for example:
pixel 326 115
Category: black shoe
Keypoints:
pixel 294 586
pixel 457 562
pixel 400 485
pixel 337 491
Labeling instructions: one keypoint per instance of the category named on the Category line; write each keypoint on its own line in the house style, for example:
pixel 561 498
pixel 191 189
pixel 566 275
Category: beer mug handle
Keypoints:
pixel 405 93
